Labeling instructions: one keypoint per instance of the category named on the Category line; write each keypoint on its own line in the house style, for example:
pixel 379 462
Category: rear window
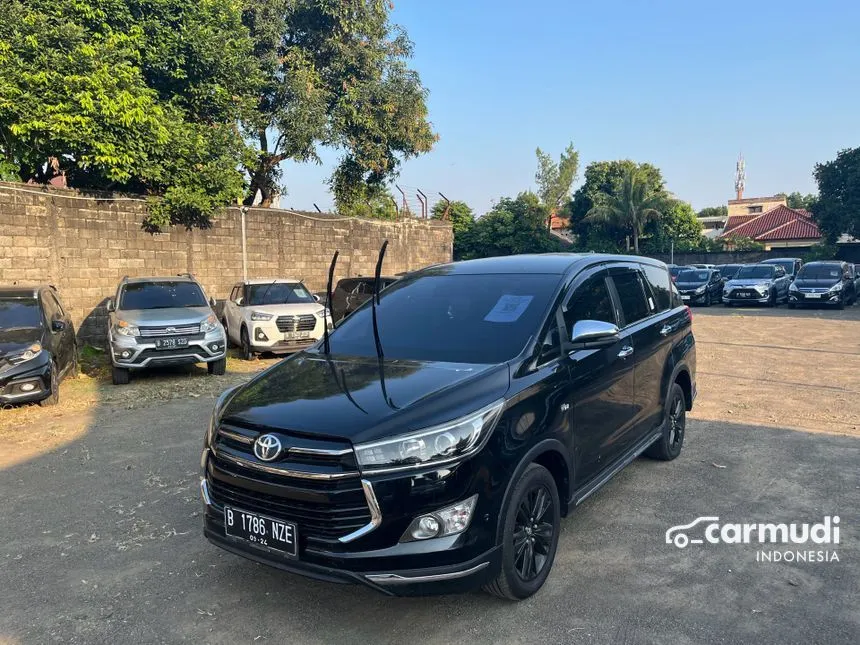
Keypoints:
pixel 694 276
pixel 161 295
pixel 456 318
pixel 278 293
pixel 787 265
pixel 17 313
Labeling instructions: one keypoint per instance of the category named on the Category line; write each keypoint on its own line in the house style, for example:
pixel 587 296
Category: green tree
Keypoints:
pixel 799 200
pixel 336 75
pixel 373 202
pixel 678 223
pixel 634 205
pixel 139 95
pixel 837 210
pixel 512 226
pixel 555 179
pixel 714 211
pixel 605 177
pixel 461 216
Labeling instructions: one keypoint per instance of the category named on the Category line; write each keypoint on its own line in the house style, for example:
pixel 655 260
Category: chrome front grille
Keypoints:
pixel 288 324
pixel 184 330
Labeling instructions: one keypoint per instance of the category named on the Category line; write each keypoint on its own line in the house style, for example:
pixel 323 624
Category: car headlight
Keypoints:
pixel 836 287
pixel 323 313
pixel 210 324
pixel 701 289
pixel 441 444
pixel 762 287
pixel 27 355
pixel 125 329
pixel 260 316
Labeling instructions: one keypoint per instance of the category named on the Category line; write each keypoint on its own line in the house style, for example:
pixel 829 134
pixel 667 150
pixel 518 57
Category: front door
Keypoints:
pixel 601 386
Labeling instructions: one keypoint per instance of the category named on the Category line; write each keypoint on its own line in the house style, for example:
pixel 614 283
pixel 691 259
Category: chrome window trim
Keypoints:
pixel 375 515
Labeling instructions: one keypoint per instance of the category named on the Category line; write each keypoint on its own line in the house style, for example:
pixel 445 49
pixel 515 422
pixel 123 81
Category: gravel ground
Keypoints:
pixel 102 520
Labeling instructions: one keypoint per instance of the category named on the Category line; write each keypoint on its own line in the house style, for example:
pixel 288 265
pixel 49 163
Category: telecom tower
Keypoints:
pixel 740 177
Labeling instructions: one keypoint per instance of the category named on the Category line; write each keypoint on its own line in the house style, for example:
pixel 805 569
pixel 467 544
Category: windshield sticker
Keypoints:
pixel 301 293
pixel 508 309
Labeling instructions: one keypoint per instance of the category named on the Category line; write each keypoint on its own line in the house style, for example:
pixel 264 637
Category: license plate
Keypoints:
pixel 812 295
pixel 170 343
pixel 685 297
pixel 261 530
pixel 296 335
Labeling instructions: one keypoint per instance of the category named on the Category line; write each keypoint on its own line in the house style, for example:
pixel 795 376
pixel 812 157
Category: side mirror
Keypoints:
pixel 238 301
pixel 316 297
pixel 58 325
pixel 212 302
pixel 588 334
pixel 109 306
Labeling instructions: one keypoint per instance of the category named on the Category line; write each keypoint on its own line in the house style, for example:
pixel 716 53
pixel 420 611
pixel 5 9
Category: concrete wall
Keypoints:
pixel 742 206
pixel 84 244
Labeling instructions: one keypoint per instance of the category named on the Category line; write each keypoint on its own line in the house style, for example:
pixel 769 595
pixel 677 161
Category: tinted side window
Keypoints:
pixel 634 304
pixel 660 283
pixel 52 309
pixel 590 301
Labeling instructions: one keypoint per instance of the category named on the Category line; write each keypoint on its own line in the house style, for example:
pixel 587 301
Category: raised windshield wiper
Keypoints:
pixel 380 356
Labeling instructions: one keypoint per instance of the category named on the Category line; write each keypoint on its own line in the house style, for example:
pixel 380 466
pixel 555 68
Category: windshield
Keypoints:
pixel 455 318
pixel 278 293
pixel 161 295
pixel 820 272
pixel 694 276
pixel 19 312
pixel 728 270
pixel 745 273
pixel 674 271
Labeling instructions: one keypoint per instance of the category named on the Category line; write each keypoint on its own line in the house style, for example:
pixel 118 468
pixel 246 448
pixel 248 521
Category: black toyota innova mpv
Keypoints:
pixel 452 423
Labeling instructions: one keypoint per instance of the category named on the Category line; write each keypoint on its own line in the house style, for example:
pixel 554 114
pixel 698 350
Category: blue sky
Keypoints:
pixel 686 85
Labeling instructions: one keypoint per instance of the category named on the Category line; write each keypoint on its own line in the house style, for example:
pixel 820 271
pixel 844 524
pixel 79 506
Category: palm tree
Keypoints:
pixel 632 207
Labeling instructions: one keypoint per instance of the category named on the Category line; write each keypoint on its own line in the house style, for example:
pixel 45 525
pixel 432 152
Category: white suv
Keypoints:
pixel 279 316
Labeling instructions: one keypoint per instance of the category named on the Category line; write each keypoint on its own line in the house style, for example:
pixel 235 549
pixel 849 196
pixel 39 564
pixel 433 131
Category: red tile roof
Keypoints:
pixel 801 228
pixel 779 223
pixel 736 220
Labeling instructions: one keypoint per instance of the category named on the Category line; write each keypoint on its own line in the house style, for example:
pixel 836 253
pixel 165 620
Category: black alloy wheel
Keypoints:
pixel 54 395
pixel 247 354
pixel 669 445
pixel 529 537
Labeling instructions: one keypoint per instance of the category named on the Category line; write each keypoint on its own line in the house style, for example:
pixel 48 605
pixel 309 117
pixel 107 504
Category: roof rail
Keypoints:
pixel 123 278
pixel 185 275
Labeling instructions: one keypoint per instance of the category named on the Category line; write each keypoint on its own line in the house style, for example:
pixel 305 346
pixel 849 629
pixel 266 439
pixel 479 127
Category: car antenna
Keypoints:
pixel 380 355
pixel 326 344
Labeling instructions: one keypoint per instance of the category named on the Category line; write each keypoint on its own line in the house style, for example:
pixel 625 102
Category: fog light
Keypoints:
pixel 259 334
pixel 126 354
pixel 446 521
pixel 214 346
pixel 28 387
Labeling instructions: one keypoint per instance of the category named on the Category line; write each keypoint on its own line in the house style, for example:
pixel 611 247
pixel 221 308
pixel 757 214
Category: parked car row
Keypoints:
pixel 771 283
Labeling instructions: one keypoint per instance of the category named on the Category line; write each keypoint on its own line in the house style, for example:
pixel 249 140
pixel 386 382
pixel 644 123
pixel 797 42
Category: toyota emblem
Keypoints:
pixel 267 447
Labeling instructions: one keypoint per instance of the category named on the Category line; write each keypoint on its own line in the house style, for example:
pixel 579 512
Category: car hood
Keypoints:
pixel 300 309
pixel 817 283
pixel 172 316
pixel 748 282
pixel 362 398
pixel 690 285
pixel 18 339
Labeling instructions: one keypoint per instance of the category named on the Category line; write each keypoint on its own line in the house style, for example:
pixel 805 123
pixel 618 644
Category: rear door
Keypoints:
pixel 601 386
pixel 62 341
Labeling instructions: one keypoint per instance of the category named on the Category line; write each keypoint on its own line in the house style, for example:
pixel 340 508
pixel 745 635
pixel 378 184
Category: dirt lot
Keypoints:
pixel 101 541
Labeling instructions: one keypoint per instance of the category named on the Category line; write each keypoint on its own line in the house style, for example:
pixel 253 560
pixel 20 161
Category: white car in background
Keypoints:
pixel 279 316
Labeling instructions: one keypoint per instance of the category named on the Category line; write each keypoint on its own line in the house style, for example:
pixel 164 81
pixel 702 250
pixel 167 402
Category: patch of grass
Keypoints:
pixel 94 361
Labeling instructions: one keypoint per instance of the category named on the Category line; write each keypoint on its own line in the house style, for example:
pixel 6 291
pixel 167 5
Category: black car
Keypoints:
pixel 700 286
pixel 728 271
pixel 823 283
pixel 437 443
pixel 37 345
pixel 351 293
pixel 791 265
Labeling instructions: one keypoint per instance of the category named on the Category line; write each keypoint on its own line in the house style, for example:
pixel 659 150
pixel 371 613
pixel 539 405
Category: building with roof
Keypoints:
pixel 777 227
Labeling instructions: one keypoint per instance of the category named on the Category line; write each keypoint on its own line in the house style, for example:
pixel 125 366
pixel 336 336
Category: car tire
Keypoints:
pixel 120 376
pixel 708 299
pixel 245 346
pixel 75 371
pixel 841 304
pixel 54 395
pixel 535 541
pixel 792 305
pixel 229 343
pixel 772 301
pixel 669 445
pixel 217 368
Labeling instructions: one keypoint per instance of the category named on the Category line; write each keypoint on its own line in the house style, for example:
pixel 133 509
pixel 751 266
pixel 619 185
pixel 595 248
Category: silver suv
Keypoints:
pixel 163 321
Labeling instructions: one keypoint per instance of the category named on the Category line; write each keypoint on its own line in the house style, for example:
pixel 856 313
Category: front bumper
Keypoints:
pixel 266 337
pixel 373 556
pixel 15 382
pixel 693 298
pixel 819 298
pixel 135 352
pixel 756 298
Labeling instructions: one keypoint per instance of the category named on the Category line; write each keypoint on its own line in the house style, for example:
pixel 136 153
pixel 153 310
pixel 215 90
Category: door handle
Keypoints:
pixel 665 330
pixel 625 351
